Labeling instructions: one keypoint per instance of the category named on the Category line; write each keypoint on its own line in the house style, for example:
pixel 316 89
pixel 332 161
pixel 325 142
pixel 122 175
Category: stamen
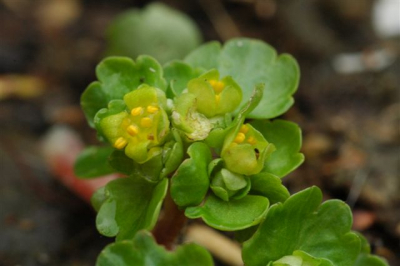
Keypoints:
pixel 132 130
pixel 218 86
pixel 146 122
pixel 120 143
pixel 152 109
pixel 239 137
pixel 137 111
pixel 252 140
pixel 213 82
pixel 244 129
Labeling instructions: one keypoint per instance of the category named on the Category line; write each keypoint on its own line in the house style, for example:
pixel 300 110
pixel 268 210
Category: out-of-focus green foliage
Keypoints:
pixel 156 30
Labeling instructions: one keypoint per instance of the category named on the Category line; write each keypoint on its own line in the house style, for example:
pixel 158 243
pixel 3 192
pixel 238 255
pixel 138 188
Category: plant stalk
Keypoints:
pixel 170 224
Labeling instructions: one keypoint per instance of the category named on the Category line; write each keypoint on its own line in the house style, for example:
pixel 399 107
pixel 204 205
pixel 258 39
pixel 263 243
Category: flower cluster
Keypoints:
pixel 141 125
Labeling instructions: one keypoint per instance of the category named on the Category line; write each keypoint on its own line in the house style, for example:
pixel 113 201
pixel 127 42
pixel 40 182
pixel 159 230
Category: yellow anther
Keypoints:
pixel 252 140
pixel 217 98
pixel 146 122
pixel 132 130
pixel 244 129
pixel 213 82
pixel 152 109
pixel 137 111
pixel 239 137
pixel 218 86
pixel 120 143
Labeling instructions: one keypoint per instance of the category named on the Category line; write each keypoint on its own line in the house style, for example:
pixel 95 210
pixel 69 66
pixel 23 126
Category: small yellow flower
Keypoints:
pixel 141 129
pixel 215 97
pixel 245 150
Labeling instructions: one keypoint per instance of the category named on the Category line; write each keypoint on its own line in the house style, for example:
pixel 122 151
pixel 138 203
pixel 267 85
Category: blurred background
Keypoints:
pixel 347 105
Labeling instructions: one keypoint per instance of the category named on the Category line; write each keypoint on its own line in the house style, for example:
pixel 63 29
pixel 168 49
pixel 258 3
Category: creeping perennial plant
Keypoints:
pixel 200 130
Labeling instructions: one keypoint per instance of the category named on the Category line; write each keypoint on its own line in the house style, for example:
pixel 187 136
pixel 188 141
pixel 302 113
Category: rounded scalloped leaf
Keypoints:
pixel 270 186
pixel 93 162
pixel 230 215
pixel 98 198
pixel 178 74
pixel 121 163
pixel 205 57
pixel 370 260
pixel 286 137
pixel 117 76
pixel 144 251
pixel 190 182
pixel 131 204
pixel 365 258
pixel 157 30
pixel 172 156
pixel 251 62
pixel 301 223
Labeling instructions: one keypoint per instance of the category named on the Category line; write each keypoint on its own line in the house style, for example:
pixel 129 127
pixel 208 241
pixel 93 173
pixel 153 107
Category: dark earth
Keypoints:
pixel 350 120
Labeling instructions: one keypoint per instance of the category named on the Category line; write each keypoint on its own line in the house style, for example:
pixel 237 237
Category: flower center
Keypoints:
pixel 139 126
pixel 218 87
pixel 241 136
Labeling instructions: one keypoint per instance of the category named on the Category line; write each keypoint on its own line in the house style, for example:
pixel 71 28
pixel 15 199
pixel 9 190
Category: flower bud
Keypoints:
pixel 226 185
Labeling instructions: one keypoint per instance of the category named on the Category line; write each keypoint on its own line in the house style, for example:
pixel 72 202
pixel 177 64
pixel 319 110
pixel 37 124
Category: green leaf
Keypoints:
pixel 286 136
pixel 269 186
pixel 230 215
pixel 190 182
pixel 205 57
pixel 172 154
pixel 156 30
pixel 301 223
pixel 365 258
pixel 93 99
pixel 132 204
pixel 98 198
pixel 144 251
pixel 370 260
pixel 252 62
pixel 150 170
pixel 251 104
pixel 245 234
pixel 93 162
pixel 300 258
pixel 121 163
pixel 117 76
pixel 226 184
pixel 178 74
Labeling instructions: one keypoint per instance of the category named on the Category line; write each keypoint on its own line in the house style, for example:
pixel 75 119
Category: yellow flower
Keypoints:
pixel 142 128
